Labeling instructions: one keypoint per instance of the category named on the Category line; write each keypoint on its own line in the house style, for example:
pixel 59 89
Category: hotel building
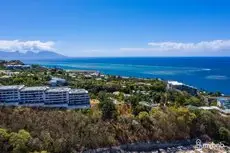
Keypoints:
pixel 32 95
pixel 10 94
pixel 78 97
pixel 57 96
pixel 44 96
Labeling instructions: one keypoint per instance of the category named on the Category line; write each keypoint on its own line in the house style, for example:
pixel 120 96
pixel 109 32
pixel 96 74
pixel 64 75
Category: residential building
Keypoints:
pixel 33 95
pixel 44 96
pixel 78 97
pixel 57 82
pixel 223 102
pixel 182 87
pixel 57 96
pixel 18 66
pixel 10 94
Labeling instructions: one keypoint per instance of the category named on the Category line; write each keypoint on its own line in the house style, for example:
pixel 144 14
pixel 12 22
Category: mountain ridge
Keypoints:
pixel 30 55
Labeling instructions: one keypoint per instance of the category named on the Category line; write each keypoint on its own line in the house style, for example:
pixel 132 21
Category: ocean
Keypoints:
pixel 207 73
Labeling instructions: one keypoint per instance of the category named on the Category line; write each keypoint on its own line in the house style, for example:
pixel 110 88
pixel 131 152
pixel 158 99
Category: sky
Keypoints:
pixel 98 28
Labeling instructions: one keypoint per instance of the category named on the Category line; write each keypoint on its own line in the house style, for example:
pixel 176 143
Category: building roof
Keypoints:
pixel 57 79
pixel 37 88
pixel 58 89
pixel 223 98
pixel 72 91
pixel 175 83
pixel 11 87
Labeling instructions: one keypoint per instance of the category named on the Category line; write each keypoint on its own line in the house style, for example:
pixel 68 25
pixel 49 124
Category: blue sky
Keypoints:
pixel 117 27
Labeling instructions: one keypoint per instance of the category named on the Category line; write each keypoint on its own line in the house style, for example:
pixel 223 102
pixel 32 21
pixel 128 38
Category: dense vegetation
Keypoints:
pixel 29 130
pixel 130 90
pixel 107 123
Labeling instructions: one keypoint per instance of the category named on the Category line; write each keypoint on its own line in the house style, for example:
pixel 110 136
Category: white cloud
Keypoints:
pixel 16 45
pixel 215 45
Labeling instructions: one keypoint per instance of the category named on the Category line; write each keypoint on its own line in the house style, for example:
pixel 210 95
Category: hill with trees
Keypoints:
pixel 129 110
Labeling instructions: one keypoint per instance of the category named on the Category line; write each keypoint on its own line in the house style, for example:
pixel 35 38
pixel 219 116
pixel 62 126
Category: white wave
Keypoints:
pixel 206 69
pixel 217 77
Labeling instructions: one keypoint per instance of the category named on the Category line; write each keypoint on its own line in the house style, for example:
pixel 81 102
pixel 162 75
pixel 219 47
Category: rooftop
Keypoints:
pixel 78 91
pixel 223 98
pixel 11 87
pixel 57 79
pixel 175 83
pixel 18 65
pixel 59 89
pixel 38 88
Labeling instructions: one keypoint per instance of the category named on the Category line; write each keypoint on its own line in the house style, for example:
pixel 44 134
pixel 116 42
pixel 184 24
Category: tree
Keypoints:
pixel 194 101
pixel 224 134
pixel 19 141
pixel 143 115
pixel 140 108
pixel 108 109
pixel 4 136
pixel 180 100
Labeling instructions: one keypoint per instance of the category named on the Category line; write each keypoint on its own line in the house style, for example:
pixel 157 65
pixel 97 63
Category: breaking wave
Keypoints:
pixel 217 77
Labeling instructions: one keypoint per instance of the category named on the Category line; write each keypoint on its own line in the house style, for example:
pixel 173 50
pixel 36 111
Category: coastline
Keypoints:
pixel 209 74
pixel 136 121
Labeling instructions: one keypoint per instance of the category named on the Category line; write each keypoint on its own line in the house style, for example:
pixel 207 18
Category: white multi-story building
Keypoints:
pixel 44 96
pixel 10 94
pixel 57 96
pixel 78 97
pixel 33 95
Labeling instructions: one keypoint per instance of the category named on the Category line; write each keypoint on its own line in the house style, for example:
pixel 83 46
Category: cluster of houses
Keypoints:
pixel 19 66
pixel 223 103
pixel 7 74
pixel 19 95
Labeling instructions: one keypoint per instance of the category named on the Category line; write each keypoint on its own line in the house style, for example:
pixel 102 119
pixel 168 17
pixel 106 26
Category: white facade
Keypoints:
pixel 78 97
pixel 57 82
pixel 32 95
pixel 10 94
pixel 44 96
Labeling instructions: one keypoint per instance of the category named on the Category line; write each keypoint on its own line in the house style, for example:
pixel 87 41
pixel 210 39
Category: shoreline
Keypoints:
pixel 188 72
pixel 130 77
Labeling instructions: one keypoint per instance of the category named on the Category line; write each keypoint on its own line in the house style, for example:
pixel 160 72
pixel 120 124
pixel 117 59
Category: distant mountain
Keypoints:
pixel 29 55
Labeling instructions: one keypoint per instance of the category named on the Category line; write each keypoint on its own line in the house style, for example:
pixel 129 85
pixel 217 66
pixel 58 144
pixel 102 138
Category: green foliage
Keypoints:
pixel 40 152
pixel 224 134
pixel 19 141
pixel 108 109
pixel 143 115
pixel 28 79
pixel 3 134
pixel 68 131
pixel 14 142
pixel 180 100
pixel 140 108
pixel 213 103
pixel 75 131
pixel 194 101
